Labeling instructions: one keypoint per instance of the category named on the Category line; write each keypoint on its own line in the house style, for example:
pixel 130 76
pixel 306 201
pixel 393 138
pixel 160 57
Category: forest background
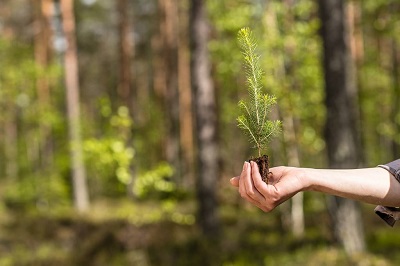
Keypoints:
pixel 118 131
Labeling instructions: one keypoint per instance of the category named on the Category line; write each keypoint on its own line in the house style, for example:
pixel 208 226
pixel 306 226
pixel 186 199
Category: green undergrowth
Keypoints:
pixel 122 232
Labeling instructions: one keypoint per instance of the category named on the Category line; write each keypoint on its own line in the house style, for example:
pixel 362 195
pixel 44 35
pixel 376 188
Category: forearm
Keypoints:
pixel 370 185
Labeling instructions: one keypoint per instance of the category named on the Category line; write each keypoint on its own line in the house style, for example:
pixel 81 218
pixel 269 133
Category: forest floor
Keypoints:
pixel 121 232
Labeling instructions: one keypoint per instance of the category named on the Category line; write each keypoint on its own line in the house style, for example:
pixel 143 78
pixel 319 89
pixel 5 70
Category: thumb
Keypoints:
pixel 235 181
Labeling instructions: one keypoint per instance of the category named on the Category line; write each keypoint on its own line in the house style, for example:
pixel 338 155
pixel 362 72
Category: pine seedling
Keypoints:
pixel 254 111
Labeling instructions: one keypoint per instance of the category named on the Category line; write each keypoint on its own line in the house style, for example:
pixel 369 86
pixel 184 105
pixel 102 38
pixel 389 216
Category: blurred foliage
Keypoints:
pixel 38 225
pixel 35 182
pixel 109 157
pixel 155 181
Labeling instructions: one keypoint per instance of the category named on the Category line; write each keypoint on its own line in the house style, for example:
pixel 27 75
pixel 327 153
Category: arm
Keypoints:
pixel 370 185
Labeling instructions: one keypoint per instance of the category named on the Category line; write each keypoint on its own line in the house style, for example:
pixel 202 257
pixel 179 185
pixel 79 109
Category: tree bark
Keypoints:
pixel 395 115
pixel 297 212
pixel 293 219
pixel 356 44
pixel 185 98
pixel 206 120
pixel 125 54
pixel 42 47
pixel 340 131
pixel 81 197
pixel 43 11
pixel 126 81
pixel 169 33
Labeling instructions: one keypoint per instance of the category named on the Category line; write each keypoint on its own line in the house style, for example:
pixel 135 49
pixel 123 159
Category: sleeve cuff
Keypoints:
pixel 393 168
pixel 389 214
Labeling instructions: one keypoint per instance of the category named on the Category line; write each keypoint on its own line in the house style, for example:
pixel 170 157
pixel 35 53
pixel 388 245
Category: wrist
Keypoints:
pixel 307 177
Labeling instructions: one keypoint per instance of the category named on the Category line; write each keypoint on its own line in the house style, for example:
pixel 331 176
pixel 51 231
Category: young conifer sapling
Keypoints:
pixel 254 111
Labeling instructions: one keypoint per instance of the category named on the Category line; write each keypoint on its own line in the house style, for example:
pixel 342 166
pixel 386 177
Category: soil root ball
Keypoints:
pixel 263 167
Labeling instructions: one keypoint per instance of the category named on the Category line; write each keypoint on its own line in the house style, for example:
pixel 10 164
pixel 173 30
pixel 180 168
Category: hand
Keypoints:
pixel 284 183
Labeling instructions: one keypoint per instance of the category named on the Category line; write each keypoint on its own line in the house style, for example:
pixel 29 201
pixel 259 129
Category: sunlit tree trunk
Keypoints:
pixel 185 97
pixel 42 48
pixel 169 33
pixel 356 47
pixel 206 120
pixel 43 10
pixel 340 133
pixel 81 197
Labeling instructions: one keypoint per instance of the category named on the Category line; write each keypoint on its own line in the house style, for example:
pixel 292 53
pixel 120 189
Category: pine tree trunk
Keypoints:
pixel 125 53
pixel 395 116
pixel 126 79
pixel 185 98
pixel 340 133
pixel 356 44
pixel 42 50
pixel 169 32
pixel 206 121
pixel 81 197
pixel 43 10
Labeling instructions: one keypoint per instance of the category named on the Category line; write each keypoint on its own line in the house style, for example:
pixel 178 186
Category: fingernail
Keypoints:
pixel 244 166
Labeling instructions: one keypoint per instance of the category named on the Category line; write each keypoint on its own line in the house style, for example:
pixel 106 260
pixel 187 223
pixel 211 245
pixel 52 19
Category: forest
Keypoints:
pixel 119 132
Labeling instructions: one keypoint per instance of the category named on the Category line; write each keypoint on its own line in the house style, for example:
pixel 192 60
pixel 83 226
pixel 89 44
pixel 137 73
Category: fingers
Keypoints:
pixel 235 181
pixel 254 190
pixel 247 189
pixel 260 185
pixel 283 184
pixel 244 176
pixel 268 191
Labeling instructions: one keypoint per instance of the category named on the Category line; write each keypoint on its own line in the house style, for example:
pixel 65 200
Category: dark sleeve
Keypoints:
pixel 390 214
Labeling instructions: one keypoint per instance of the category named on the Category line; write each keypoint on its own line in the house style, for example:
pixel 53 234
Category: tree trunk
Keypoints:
pixel 292 218
pixel 43 10
pixel 340 132
pixel 356 44
pixel 126 79
pixel 169 32
pixel 125 54
pixel 81 197
pixel 42 47
pixel 185 98
pixel 395 116
pixel 206 120
pixel 297 212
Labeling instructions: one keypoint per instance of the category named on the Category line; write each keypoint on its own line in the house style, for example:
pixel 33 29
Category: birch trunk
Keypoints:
pixel 206 121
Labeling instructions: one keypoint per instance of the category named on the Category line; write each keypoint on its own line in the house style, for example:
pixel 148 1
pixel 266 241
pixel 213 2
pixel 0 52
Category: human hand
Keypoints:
pixel 284 183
